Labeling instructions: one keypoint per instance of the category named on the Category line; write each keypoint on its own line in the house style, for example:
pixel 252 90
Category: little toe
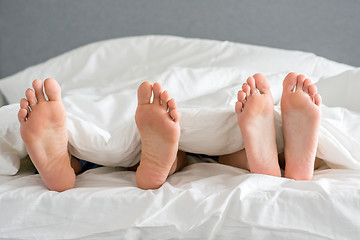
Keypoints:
pixel 246 89
pixel 307 83
pixel 52 89
pixel 290 82
pixel 157 89
pixel 261 83
pixel 144 93
pixel 30 96
pixel 238 106
pixel 317 99
pixel 175 115
pixel 38 87
pixel 164 98
pixel 22 115
pixel 24 104
pixel 300 82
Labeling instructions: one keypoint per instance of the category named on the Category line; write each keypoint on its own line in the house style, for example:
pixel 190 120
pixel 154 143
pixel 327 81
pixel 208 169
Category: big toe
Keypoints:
pixel 52 89
pixel 157 90
pixel 290 82
pixel 261 82
pixel 144 93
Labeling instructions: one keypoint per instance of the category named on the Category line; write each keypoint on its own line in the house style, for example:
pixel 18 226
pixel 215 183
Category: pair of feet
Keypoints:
pixel 43 129
pixel 300 125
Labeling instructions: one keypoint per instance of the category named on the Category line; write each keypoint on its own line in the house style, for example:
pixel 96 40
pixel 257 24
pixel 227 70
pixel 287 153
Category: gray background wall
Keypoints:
pixel 32 31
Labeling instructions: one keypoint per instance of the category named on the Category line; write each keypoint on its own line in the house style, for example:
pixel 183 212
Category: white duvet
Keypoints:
pixel 205 200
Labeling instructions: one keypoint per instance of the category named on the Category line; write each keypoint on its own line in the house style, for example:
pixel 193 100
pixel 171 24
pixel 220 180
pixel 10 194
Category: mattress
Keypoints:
pixel 205 200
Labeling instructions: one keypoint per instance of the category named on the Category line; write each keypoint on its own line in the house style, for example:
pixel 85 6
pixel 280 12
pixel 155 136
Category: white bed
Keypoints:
pixel 204 200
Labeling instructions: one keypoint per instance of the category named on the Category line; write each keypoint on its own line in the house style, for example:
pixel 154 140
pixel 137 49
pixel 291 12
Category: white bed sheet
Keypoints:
pixel 203 201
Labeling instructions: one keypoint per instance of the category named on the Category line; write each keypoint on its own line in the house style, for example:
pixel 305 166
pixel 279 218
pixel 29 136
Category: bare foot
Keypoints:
pixel 158 124
pixel 43 129
pixel 301 118
pixel 255 111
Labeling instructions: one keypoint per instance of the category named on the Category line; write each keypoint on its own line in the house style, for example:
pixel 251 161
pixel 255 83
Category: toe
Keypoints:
pixel 317 99
pixel 175 115
pixel 241 96
pixel 246 89
pixel 251 82
pixel 238 107
pixel 52 89
pixel 24 104
pixel 300 82
pixel 157 89
pixel 30 96
pixel 312 90
pixel 144 93
pixel 307 83
pixel 261 83
pixel 22 115
pixel 164 98
pixel 38 87
pixel 290 82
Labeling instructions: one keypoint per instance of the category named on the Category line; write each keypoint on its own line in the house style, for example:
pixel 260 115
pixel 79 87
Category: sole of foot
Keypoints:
pixel 255 112
pixel 43 130
pixel 300 109
pixel 159 128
